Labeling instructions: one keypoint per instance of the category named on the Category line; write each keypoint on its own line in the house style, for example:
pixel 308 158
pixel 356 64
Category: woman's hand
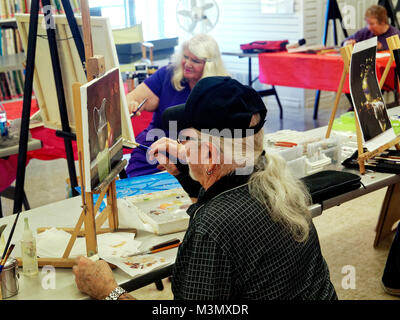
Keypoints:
pixel 94 278
pixel 133 106
pixel 137 95
pixel 351 41
pixel 167 152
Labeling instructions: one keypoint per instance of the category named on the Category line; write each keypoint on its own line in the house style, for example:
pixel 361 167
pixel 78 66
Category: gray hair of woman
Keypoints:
pixel 205 48
pixel 271 181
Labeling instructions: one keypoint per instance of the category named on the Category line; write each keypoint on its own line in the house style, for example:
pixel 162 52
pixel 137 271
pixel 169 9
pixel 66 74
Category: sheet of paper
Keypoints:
pixel 137 265
pixel 52 243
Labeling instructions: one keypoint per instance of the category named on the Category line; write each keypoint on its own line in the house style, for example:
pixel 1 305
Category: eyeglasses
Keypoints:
pixel 183 139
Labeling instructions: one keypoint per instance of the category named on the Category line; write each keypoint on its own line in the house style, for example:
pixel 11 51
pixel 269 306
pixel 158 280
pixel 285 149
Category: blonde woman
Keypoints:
pixel 250 235
pixel 198 57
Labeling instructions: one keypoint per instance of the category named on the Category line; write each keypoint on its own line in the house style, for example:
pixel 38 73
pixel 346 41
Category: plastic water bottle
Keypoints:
pixel 3 121
pixel 28 250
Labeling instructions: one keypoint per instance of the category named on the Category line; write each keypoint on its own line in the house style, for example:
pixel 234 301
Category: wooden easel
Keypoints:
pixel 92 226
pixel 393 44
pixel 389 212
pixel 362 156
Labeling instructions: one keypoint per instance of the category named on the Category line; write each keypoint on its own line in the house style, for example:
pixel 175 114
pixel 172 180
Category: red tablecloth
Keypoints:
pixel 311 71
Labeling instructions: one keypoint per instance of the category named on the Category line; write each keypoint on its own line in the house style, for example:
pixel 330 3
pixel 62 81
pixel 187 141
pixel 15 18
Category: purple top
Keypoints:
pixel 160 84
pixel 365 34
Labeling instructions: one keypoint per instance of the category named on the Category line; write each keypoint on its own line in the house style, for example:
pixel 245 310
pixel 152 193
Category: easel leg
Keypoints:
pixel 55 61
pixel 90 226
pixel 390 213
pixel 26 109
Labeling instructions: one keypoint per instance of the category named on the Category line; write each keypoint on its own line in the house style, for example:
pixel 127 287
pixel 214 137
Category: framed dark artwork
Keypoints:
pixel 101 127
pixel 367 97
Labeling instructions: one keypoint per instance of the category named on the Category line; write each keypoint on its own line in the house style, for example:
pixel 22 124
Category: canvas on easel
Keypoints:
pixel 101 127
pixel 71 68
pixel 367 98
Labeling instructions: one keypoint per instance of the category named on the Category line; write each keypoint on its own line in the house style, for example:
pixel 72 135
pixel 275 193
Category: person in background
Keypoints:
pixel 198 57
pixel 391 273
pixel 377 25
pixel 250 234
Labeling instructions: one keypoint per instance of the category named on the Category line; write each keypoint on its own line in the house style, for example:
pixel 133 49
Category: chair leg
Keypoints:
pixel 1 210
pixel 159 284
pixel 279 102
pixel 316 104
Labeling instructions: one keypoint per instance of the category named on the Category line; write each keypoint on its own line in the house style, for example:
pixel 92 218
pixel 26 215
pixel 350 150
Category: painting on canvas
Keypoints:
pixel 367 97
pixel 101 127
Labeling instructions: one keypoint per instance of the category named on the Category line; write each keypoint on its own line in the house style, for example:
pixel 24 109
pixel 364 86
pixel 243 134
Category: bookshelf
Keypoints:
pixel 12 58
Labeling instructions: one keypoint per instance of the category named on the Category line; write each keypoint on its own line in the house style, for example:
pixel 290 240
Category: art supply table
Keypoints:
pixel 33 144
pixel 65 213
pixel 8 169
pixel 313 71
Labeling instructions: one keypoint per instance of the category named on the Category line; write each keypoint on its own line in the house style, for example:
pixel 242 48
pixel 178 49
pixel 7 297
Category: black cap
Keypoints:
pixel 218 103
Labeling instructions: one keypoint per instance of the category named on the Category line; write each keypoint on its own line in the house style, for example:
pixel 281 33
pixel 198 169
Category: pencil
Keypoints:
pixel 139 106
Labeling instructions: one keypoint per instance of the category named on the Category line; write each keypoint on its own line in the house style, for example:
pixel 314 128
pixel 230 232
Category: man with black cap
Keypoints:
pixel 250 234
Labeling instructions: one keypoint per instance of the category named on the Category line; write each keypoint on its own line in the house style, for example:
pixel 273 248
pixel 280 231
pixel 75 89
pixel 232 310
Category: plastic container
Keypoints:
pixel 3 121
pixel 298 167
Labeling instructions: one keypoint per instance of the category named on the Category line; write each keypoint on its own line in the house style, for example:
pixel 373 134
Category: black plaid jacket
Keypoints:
pixel 233 250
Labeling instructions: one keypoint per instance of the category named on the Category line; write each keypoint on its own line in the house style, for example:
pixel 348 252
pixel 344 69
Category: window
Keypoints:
pixel 116 10
pixel 158 17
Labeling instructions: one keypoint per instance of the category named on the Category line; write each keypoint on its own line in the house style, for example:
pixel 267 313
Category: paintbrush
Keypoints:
pixel 10 236
pixel 138 108
pixel 388 159
pixel 2 229
pixel 4 261
pixel 141 145
pixel 159 247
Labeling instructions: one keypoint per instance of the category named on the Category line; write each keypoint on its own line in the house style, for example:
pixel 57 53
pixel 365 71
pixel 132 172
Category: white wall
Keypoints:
pixel 241 21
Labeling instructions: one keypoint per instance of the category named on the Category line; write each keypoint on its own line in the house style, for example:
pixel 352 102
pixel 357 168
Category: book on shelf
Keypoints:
pixel 8 8
pixel 12 81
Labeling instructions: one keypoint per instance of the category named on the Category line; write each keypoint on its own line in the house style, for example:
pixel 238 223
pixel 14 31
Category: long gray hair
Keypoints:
pixel 205 48
pixel 271 183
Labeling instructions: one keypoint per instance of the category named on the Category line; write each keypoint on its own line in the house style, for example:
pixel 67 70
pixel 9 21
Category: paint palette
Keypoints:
pixel 165 211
